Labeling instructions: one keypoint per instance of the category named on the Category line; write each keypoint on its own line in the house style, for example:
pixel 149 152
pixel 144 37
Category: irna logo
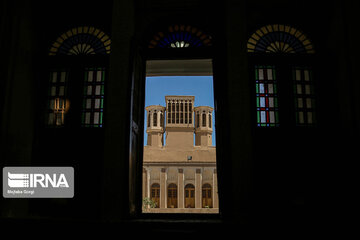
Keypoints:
pixel 38 182
pixel 20 180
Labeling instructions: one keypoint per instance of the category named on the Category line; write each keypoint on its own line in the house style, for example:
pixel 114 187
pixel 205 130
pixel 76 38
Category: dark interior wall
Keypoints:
pixel 263 174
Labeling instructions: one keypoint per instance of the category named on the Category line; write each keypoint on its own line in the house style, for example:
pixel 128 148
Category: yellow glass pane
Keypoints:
pixel 281 27
pixel 252 41
pixel 275 27
pixel 74 31
pixel 287 29
pixel 293 31
pixel 264 30
pixel 282 45
pixel 86 29
pixel 302 38
pixel 106 37
pixel 306 42
pixel 96 32
pixel 101 34
pixel 297 34
pixel 269 28
pixel 277 44
pixel 80 29
pixel 258 32
pixel 108 42
pixel 91 30
pixel 250 46
pixel 206 41
pixel 59 40
pixel 56 44
pixel 64 36
pixel 54 50
pixel 255 36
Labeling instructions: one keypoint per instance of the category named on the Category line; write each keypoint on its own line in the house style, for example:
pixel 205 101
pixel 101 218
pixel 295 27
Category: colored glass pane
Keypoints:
pixel 279 38
pixel 304 96
pixel 266 97
pixel 180 36
pixel 93 100
pixel 82 40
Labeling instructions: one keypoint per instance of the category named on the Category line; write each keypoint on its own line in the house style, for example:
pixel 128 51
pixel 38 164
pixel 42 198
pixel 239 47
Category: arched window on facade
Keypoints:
pixel 155 119
pixel 189 196
pixel 180 36
pixel 172 196
pixel 197 119
pixel 148 120
pixel 207 196
pixel 281 57
pixel 210 120
pixel 91 45
pixel 155 194
pixel 204 119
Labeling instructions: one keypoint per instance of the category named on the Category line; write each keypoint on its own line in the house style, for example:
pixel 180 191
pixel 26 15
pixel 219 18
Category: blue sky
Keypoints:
pixel 199 86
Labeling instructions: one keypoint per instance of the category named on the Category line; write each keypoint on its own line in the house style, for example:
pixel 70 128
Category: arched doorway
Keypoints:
pixel 172 196
pixel 206 196
pixel 155 194
pixel 189 196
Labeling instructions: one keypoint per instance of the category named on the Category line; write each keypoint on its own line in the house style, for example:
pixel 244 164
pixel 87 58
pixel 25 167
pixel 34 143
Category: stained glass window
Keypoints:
pixel 279 38
pixel 304 96
pixel 180 36
pixel 58 104
pixel 82 40
pixel 93 102
pixel 266 96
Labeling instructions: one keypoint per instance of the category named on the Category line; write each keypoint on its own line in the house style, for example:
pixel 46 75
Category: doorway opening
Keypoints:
pixel 179 137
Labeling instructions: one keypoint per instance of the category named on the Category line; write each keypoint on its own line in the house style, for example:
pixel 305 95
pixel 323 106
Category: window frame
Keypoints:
pixel 283 64
pixel 169 54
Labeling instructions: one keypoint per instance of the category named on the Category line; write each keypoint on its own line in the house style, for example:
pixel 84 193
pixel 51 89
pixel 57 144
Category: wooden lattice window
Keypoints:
pixel 172 196
pixel 93 101
pixel 304 96
pixel 155 194
pixel 58 103
pixel 207 196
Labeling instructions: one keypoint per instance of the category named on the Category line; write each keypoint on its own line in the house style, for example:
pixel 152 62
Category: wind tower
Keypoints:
pixel 203 126
pixel 179 121
pixel 155 125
